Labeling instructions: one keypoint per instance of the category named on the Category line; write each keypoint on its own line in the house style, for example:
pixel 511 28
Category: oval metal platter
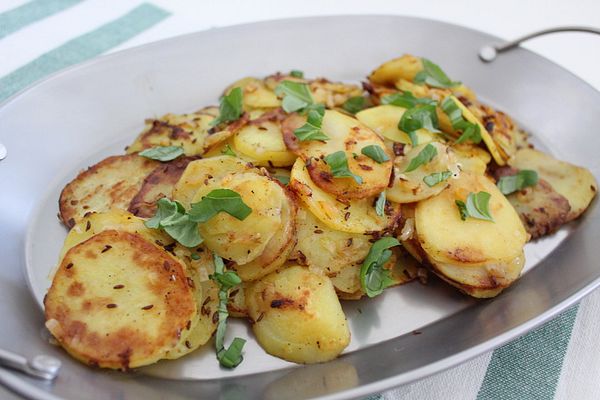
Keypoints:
pixel 78 116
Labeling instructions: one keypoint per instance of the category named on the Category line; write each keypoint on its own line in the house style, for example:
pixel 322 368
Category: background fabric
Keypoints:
pixel 561 359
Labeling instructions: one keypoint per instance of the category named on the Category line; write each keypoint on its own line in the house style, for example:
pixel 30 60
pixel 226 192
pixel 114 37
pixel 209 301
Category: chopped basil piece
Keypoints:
pixel 514 183
pixel 419 117
pixel 470 131
pixel 338 163
pixel 424 156
pixel 433 76
pixel 374 278
pixel 380 204
pixel 230 108
pixel 296 95
pixel 437 177
pixel 231 357
pixel 296 73
pixel 195 256
pixel 172 218
pixel 406 99
pixel 476 206
pixel 282 178
pixel 355 104
pixel 216 201
pixel 375 153
pixel 311 130
pixel 228 151
pixel 162 153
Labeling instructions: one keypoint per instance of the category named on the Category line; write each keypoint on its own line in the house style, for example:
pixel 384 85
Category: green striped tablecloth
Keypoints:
pixel 559 360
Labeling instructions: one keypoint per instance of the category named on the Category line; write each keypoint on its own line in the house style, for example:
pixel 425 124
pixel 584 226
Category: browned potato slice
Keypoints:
pixel 237 302
pixel 158 184
pixel 350 136
pixel 186 130
pixel 471 158
pixel 204 172
pixel 256 95
pixel 353 216
pixel 409 187
pixel 218 138
pixel 297 316
pixel 118 301
pixel 113 182
pixel 404 67
pixel 244 241
pixel 575 183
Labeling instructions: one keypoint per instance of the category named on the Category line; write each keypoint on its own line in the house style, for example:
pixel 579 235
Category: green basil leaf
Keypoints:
pixel 524 178
pixel 476 206
pixel 283 179
pixel 296 95
pixel 162 153
pixel 373 277
pixel 437 177
pixel 228 279
pixel 231 107
pixel 355 104
pixel 296 73
pixel 228 151
pixel 424 156
pixel 434 76
pixel 338 163
pixel 195 256
pixel 419 117
pixel 311 130
pixel 380 204
pixel 172 218
pixel 185 232
pixel 470 131
pixel 216 201
pixel 375 153
pixel 165 208
pixel 406 100
pixel 232 357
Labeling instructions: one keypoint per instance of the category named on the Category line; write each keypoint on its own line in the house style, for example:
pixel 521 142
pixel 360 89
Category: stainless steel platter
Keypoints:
pixel 79 116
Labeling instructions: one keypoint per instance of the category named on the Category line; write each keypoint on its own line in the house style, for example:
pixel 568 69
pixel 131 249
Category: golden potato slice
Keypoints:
pixel 350 136
pixel 409 187
pixel 118 301
pixel 113 182
pixel 325 250
pixel 243 241
pixel 218 138
pixel 471 158
pixel 575 183
pixel 384 120
pixel 279 247
pixel 186 130
pixel 448 239
pixel 158 184
pixel 353 216
pixel 204 172
pixel 297 316
pixel 256 95
pixel 262 141
pixel 237 302
pixel 404 67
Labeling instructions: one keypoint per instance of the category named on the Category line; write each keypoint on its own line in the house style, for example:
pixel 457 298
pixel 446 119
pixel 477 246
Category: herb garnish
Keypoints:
pixel 230 107
pixel 162 153
pixel 513 183
pixel 374 278
pixel 424 156
pixel 282 178
pixel 296 73
pixel 418 117
pixel 406 99
pixel 355 104
pixel 338 163
pixel 232 356
pixel 437 177
pixel 297 97
pixel 380 204
pixel 228 151
pixel 216 201
pixel 375 153
pixel 434 76
pixel 476 206
pixel 470 131
pixel 311 130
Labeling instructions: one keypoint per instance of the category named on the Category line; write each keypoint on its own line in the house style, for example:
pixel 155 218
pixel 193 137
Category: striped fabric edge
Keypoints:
pixel 30 12
pixel 83 47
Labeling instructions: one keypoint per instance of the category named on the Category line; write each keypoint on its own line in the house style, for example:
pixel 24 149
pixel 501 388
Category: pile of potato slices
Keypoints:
pixel 291 195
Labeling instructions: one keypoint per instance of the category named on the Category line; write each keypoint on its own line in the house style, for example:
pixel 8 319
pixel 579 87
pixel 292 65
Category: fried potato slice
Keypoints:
pixel 448 239
pixel 158 184
pixel 353 216
pixel 278 249
pixel 325 250
pixel 384 120
pixel 256 95
pixel 204 172
pixel 237 302
pixel 113 182
pixel 244 241
pixel 186 130
pixel 471 158
pixel 404 67
pixel 409 187
pixel 575 183
pixel 297 316
pixel 118 301
pixel 350 136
